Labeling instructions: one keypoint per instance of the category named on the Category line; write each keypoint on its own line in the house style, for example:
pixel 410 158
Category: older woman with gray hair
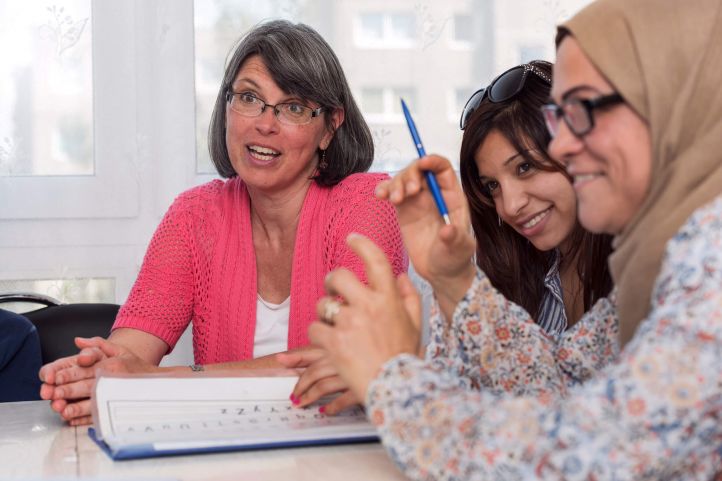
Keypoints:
pixel 244 259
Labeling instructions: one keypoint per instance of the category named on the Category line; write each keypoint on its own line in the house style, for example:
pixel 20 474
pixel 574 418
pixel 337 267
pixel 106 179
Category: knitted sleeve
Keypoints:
pixel 161 300
pixel 357 210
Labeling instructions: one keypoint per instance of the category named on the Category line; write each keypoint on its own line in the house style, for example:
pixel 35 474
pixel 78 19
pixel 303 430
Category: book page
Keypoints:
pixel 208 411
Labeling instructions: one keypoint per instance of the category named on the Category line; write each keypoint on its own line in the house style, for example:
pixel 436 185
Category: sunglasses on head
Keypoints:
pixel 504 87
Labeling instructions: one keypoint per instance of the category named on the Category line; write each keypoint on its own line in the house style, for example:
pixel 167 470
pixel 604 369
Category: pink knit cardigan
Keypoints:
pixel 201 266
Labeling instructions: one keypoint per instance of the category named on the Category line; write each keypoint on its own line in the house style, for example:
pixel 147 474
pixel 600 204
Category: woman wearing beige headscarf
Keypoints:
pixel 637 118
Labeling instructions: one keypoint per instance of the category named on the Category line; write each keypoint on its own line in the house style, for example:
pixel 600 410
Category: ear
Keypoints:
pixel 337 117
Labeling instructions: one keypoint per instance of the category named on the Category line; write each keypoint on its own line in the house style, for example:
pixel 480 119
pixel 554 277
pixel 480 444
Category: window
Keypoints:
pixel 65 290
pixel 372 101
pixel 46 73
pixel 67 116
pixel 386 30
pixel 383 104
pixel 463 32
pixel 527 53
pixel 401 27
pixel 396 49
pixel 372 27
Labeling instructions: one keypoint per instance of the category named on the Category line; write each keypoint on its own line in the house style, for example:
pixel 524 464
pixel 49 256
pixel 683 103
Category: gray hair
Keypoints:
pixel 303 64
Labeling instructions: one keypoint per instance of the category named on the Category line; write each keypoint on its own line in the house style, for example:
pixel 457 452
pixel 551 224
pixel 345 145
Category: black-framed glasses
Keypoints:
pixel 578 114
pixel 504 87
pixel 291 113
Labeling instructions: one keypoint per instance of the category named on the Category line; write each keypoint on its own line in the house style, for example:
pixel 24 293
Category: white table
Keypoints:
pixel 35 443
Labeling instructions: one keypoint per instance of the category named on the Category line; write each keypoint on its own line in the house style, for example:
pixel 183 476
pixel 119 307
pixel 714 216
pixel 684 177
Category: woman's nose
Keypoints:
pixel 267 122
pixel 514 199
pixel 564 145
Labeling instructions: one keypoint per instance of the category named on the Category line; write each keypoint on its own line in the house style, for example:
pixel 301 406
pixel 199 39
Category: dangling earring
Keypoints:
pixel 322 165
pixel 499 217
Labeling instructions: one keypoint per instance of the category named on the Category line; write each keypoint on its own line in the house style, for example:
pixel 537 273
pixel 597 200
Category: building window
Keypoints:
pixel 383 104
pixel 372 27
pixel 401 27
pixel 462 31
pixel 385 30
pixel 527 53
pixel 372 101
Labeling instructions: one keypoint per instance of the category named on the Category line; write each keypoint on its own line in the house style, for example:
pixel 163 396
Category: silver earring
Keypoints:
pixel 323 164
pixel 499 217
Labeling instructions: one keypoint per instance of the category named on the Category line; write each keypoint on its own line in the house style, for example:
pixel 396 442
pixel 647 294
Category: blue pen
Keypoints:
pixel 430 177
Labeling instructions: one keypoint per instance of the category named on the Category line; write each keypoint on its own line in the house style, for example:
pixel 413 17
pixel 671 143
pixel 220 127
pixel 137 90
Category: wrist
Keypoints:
pixel 452 290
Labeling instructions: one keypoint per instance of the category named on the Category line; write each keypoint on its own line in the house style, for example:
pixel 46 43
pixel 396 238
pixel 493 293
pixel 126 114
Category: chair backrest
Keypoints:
pixel 59 325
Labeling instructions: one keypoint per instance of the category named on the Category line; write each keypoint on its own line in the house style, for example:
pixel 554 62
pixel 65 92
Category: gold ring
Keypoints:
pixel 329 311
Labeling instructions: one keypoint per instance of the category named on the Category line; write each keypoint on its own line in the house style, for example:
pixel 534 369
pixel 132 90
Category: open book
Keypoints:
pixel 149 415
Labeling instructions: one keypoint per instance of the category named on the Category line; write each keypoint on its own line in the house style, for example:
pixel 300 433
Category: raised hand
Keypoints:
pixel 374 324
pixel 441 254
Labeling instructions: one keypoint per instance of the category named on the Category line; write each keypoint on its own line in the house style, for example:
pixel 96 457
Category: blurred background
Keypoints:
pixel 104 108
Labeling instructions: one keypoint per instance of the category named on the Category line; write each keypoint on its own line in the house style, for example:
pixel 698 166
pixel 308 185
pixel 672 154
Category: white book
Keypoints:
pixel 150 415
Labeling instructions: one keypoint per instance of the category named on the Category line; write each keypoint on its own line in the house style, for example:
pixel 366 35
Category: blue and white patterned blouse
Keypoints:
pixel 498 399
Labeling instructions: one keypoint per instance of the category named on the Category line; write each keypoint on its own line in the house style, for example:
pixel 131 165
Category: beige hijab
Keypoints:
pixel 665 58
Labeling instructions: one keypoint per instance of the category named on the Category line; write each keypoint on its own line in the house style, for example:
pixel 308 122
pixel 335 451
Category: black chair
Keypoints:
pixel 59 324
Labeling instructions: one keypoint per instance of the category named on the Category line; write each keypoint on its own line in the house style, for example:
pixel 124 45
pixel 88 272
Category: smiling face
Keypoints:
pixel 538 204
pixel 268 155
pixel 611 165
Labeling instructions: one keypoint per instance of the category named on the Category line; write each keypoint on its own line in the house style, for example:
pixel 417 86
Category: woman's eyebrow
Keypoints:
pixel 286 98
pixel 506 162
pixel 576 89
pixel 246 80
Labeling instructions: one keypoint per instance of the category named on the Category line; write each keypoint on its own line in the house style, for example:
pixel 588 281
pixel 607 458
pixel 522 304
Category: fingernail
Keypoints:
pixel 294 400
pixel 322 409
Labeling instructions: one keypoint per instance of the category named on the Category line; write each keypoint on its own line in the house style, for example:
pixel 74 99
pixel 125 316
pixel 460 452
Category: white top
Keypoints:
pixel 271 327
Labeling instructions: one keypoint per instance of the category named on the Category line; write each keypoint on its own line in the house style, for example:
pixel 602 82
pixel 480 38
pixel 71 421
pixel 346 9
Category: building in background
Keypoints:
pixel 434 54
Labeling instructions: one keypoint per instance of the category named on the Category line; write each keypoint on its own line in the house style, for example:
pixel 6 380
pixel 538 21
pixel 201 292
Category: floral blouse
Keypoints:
pixel 497 399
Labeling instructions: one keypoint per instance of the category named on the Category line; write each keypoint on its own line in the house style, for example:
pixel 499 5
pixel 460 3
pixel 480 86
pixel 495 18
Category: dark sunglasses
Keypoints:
pixel 504 87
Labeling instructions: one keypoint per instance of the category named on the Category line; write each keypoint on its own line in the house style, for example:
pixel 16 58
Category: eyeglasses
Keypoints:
pixel 290 113
pixel 504 87
pixel 577 113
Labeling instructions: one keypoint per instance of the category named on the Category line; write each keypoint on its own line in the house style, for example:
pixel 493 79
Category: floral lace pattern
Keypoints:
pixel 497 399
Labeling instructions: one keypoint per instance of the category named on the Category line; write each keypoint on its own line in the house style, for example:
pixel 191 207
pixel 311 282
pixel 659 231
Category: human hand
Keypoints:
pixel 68 382
pixel 440 253
pixel 319 378
pixel 376 322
